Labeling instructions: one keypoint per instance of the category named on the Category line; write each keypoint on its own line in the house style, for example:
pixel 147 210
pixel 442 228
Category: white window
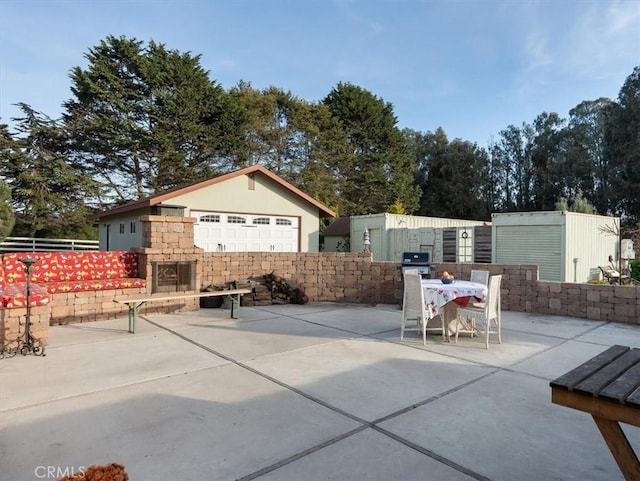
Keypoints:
pixel 121 228
pixel 236 219
pixel 132 227
pixel 280 221
pixel 261 221
pixel 210 218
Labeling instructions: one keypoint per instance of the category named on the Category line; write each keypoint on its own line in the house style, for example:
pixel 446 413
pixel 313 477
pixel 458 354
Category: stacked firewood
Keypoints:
pixel 283 291
pixel 270 289
pixel 261 294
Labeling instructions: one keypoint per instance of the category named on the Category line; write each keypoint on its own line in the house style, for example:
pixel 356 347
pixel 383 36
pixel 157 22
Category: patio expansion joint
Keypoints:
pixel 301 454
pixel 565 340
pixel 354 334
pixel 364 424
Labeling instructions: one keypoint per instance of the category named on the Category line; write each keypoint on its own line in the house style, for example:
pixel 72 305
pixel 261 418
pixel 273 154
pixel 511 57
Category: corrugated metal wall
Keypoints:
pixel 527 244
pixel 587 246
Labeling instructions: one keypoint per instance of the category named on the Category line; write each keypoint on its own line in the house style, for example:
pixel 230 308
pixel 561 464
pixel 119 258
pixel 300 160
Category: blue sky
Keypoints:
pixel 470 67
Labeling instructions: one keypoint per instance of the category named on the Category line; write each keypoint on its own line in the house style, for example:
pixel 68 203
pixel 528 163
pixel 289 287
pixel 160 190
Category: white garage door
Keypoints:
pixel 222 232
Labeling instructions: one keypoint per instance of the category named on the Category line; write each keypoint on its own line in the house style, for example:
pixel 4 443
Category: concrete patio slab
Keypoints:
pixel 552 326
pixel 219 423
pixel 76 368
pixel 243 340
pixel 516 346
pixel 370 456
pixel 368 378
pixel 559 359
pixel 504 427
pixel 319 391
pixel 357 319
pixel 613 333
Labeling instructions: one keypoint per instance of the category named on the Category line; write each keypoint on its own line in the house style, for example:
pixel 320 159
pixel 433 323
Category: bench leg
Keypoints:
pixel 619 447
pixel 133 316
pixel 235 305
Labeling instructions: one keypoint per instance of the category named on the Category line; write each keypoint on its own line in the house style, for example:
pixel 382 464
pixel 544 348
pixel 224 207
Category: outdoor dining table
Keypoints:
pixel 444 299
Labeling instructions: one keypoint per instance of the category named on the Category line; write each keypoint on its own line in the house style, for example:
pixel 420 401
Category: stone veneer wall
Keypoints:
pixel 354 277
pixel 164 238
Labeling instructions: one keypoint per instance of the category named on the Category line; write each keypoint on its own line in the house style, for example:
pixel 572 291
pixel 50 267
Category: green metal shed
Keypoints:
pixel 567 246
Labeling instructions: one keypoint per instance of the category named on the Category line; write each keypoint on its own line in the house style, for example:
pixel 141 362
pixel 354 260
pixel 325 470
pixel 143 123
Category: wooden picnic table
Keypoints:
pixel 134 303
pixel 607 387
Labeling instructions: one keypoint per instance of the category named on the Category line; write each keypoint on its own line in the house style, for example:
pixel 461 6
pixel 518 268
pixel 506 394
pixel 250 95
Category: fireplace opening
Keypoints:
pixel 173 276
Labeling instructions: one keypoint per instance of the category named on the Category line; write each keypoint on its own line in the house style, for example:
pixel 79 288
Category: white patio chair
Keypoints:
pixel 470 316
pixel 414 307
pixel 481 277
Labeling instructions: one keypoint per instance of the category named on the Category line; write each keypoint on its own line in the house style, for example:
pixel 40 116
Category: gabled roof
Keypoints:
pixel 340 227
pixel 168 195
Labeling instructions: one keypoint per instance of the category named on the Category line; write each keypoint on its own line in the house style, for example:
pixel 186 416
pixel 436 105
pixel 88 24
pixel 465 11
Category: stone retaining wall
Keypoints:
pixel 354 277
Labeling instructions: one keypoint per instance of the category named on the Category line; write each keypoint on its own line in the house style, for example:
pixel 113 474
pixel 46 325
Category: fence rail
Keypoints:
pixel 30 244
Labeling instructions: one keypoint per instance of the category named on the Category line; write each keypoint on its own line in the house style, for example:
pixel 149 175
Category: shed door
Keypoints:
pixel 224 232
pixel 537 245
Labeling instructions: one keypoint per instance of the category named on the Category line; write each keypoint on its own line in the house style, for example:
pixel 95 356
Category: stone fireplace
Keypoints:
pixel 173 276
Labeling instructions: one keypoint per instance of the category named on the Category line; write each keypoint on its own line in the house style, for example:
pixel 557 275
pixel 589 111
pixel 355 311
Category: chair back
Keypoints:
pixel 413 300
pixel 481 277
pixel 492 305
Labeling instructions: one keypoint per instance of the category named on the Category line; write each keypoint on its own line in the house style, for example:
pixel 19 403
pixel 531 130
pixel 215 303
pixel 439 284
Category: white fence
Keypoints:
pixel 30 244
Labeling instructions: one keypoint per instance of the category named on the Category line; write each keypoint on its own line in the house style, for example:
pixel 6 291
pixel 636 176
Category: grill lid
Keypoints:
pixel 415 258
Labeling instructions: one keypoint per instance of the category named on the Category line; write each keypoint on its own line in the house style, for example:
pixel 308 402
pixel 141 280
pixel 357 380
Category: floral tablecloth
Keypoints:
pixel 437 294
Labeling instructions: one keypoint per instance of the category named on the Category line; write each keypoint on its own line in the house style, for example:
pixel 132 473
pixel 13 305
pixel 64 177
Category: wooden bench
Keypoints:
pixel 134 303
pixel 607 387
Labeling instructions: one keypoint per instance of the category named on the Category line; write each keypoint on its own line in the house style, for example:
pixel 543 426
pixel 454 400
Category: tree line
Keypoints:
pixel 144 118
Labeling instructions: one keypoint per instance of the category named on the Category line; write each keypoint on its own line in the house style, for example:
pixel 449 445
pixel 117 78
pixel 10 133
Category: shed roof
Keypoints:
pixel 323 210
pixel 339 227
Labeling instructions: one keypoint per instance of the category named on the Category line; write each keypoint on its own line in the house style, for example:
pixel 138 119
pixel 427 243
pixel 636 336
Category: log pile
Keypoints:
pixel 270 289
pixel 283 291
pixel 267 289
pixel 261 293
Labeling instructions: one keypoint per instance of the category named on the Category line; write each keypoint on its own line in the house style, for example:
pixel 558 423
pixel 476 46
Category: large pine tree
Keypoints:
pixel 380 172
pixel 147 118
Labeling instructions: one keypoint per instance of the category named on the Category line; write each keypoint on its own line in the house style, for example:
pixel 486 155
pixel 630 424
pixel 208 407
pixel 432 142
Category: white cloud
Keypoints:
pixel 537 50
pixel 371 25
pixel 604 42
pixel 624 18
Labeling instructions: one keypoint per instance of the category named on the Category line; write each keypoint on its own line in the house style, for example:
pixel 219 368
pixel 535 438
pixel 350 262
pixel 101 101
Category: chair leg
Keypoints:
pixel 402 324
pixel 457 328
pixel 423 323
pixel 487 332
pixel 444 328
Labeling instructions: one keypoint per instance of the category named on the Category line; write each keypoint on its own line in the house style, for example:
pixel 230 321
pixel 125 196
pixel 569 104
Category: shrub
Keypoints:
pixel 635 269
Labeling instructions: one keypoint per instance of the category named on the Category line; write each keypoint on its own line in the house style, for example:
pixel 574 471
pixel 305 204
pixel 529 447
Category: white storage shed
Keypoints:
pixel 567 246
pixel 393 234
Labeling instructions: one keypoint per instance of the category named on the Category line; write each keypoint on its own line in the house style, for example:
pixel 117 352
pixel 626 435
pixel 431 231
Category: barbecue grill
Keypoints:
pixel 416 261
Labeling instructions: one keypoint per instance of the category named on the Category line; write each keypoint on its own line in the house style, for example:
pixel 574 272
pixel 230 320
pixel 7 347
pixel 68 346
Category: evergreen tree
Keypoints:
pixel 48 191
pixel 622 139
pixel 381 170
pixel 452 177
pixel 587 166
pixel 146 118
pixel 7 219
